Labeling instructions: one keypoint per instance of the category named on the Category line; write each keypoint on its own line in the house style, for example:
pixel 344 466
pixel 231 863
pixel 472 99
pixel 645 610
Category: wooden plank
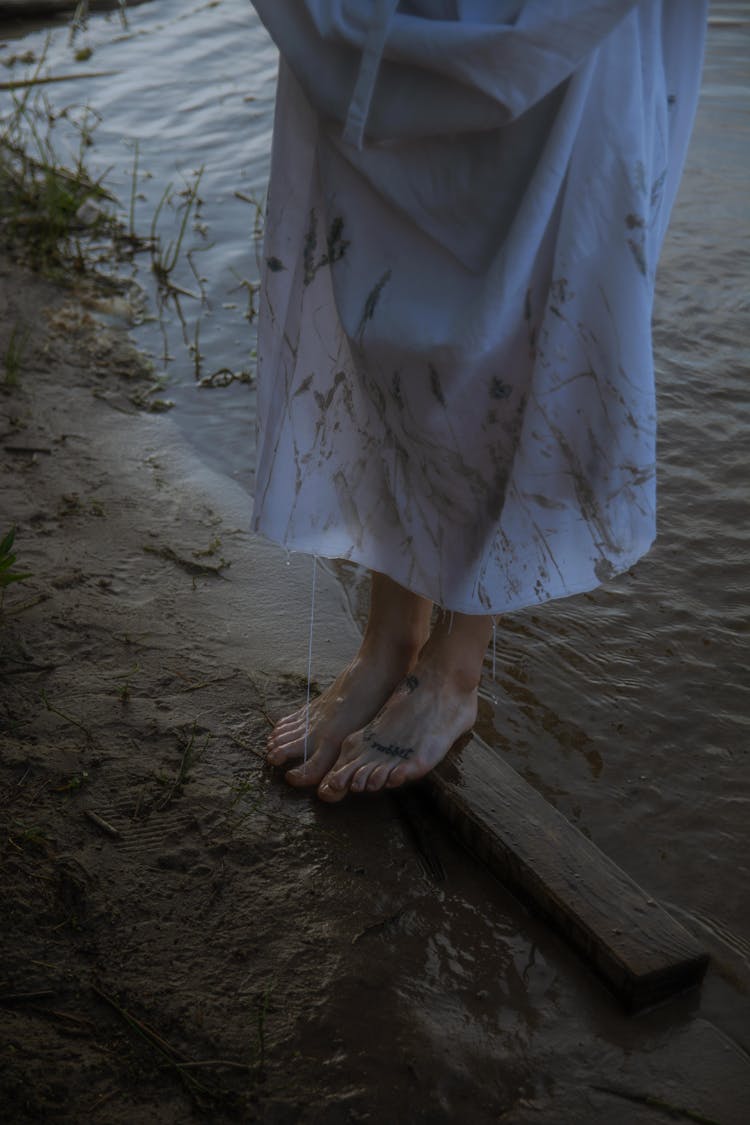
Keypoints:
pixel 643 954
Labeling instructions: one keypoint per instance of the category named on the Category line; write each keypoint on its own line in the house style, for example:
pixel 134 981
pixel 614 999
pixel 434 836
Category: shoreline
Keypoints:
pixel 141 656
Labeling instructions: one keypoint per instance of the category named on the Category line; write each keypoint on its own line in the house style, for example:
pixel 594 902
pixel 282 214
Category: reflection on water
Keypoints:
pixel 627 707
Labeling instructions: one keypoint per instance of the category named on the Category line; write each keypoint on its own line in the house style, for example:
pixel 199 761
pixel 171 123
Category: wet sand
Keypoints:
pixel 182 934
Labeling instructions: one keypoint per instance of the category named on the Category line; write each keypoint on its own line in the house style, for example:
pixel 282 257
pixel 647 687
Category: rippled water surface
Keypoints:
pixel 192 85
pixel 629 707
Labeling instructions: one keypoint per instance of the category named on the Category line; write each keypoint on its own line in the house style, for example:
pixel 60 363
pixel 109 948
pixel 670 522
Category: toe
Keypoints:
pixel 350 759
pixel 406 771
pixel 279 755
pixel 275 755
pixel 313 770
pixel 327 793
pixel 287 722
pixel 336 782
pixel 288 733
pixel 361 778
pixel 379 776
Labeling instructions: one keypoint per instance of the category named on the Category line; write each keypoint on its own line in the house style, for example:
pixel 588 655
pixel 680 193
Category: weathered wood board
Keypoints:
pixel 643 954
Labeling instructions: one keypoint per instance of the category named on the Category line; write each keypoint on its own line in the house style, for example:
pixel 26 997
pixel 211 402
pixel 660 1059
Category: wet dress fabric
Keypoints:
pixel 466 207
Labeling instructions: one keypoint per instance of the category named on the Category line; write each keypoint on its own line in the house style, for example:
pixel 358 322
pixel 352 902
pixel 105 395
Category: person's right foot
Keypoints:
pixel 352 700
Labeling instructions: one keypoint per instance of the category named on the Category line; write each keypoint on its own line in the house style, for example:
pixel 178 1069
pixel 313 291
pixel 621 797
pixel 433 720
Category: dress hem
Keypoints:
pixel 554 593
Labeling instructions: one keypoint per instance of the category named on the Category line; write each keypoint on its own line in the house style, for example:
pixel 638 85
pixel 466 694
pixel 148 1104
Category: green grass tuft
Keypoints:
pixel 14 352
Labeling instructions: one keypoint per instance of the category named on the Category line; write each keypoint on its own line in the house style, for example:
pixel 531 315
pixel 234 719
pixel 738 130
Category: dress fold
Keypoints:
pixel 455 380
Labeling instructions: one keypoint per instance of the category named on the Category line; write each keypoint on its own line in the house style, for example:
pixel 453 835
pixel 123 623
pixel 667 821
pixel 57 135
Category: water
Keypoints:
pixel 193 87
pixel 628 707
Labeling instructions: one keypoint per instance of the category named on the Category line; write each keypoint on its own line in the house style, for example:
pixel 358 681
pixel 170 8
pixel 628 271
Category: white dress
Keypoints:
pixel 466 208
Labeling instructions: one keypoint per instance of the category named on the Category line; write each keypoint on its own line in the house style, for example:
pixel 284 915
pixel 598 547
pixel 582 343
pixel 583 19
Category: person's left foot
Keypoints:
pixel 411 733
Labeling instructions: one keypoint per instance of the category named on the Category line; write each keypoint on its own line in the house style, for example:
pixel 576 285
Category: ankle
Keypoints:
pixel 459 677
pixel 398 652
pixel 455 652
pixel 399 620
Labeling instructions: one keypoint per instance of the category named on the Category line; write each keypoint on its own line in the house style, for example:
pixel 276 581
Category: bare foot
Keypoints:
pixel 355 696
pixel 397 627
pixel 407 738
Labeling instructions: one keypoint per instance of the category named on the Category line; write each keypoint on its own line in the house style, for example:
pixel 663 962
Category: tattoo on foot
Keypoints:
pixel 392 749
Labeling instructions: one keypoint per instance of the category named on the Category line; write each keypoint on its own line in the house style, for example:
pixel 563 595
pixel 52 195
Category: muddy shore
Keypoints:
pixel 184 937
pixel 181 932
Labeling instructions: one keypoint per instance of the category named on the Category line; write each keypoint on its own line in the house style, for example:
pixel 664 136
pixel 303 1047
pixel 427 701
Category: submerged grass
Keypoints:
pixel 164 259
pixel 42 193
pixel 54 212
pixel 57 216
pixel 81 15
